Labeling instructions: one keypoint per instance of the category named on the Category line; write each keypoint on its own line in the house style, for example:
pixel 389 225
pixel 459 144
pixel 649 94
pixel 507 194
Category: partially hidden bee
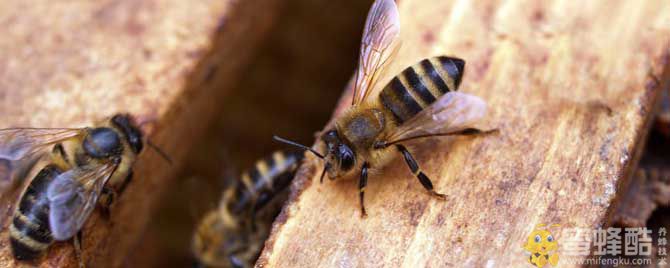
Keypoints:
pixel 662 123
pixel 233 234
pixel 81 165
pixel 419 102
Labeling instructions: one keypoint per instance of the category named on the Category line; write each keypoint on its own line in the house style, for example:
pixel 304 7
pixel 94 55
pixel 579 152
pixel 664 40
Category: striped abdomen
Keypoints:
pixel 29 233
pixel 418 86
pixel 258 185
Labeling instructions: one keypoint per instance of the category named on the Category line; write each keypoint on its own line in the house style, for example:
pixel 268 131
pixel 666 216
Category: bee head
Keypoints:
pixel 132 133
pixel 340 158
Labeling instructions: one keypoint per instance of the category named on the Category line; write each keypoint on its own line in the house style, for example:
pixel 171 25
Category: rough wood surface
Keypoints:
pixel 67 64
pixel 570 86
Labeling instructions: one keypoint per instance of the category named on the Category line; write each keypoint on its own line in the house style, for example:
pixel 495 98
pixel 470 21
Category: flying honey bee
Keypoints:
pixel 419 102
pixel 80 164
pixel 233 234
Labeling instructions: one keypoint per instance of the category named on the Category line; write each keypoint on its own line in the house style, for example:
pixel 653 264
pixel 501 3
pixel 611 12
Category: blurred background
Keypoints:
pixel 289 89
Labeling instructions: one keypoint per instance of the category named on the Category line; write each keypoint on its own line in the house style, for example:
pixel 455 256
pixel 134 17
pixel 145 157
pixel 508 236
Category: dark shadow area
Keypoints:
pixel 290 89
pixel 660 218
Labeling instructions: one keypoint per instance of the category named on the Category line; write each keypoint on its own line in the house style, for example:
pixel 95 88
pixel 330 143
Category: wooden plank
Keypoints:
pixel 68 64
pixel 569 85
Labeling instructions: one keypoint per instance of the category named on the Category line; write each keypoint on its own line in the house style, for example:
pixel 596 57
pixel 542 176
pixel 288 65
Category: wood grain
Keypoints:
pixel 68 64
pixel 571 86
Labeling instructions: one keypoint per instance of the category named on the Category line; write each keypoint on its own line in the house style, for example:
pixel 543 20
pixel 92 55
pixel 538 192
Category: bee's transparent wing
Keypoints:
pixel 13 173
pixel 20 148
pixel 453 112
pixel 380 40
pixel 17 143
pixel 72 197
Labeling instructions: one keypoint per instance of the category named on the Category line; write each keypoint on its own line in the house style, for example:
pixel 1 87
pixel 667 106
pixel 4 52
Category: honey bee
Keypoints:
pixel 233 234
pixel 419 102
pixel 80 164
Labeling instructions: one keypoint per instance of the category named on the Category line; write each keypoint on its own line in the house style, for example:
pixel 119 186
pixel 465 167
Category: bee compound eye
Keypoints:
pixel 538 239
pixel 132 133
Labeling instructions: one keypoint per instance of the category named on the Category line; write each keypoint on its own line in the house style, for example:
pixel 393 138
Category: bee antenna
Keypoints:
pixel 159 151
pixel 279 139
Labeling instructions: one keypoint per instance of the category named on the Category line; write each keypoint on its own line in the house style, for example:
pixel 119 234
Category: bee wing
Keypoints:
pixel 452 112
pixel 13 173
pixel 17 143
pixel 20 148
pixel 380 40
pixel 72 197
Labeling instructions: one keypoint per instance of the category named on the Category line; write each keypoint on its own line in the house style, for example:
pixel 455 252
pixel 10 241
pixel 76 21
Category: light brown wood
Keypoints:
pixel 571 86
pixel 68 64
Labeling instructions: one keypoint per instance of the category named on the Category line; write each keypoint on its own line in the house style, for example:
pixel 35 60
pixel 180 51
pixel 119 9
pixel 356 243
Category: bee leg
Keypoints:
pixel 252 222
pixel 77 249
pixel 126 181
pixel 362 182
pixel 262 200
pixel 109 196
pixel 474 131
pixel 414 167
pixel 323 173
pixel 107 199
pixel 464 132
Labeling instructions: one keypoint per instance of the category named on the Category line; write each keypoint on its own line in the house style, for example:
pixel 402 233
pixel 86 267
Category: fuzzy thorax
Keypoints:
pixel 360 128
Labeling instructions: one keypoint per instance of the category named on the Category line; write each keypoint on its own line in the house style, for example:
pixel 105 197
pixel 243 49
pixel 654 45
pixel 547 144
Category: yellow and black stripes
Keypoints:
pixel 29 232
pixel 231 236
pixel 258 185
pixel 418 86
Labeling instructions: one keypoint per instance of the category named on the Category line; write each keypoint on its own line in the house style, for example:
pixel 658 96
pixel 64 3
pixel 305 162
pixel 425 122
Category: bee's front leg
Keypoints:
pixel 474 131
pixel 362 182
pixel 77 249
pixel 107 198
pixel 109 195
pixel 126 181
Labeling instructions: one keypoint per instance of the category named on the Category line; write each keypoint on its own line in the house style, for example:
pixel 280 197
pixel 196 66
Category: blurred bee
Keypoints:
pixel 419 102
pixel 80 162
pixel 663 116
pixel 233 234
